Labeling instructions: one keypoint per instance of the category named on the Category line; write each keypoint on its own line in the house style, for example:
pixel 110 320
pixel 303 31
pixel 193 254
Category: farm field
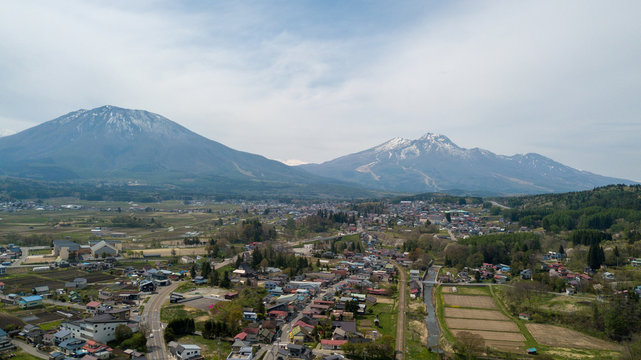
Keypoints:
pixel 557 336
pixel 469 301
pixel 477 313
pixel 54 279
pixel 474 314
pixel 492 325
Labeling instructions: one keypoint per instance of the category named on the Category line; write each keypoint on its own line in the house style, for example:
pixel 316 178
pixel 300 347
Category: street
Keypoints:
pixel 156 349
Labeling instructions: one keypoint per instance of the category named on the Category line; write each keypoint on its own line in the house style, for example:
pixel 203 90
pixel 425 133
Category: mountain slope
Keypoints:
pixel 114 143
pixel 434 163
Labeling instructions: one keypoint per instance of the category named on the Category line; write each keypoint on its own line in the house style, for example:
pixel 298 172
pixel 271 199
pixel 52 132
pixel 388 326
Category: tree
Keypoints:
pixel 213 278
pixel 192 271
pixel 226 282
pixel 123 332
pixel 561 249
pixel 471 344
pixel 596 256
pixel 264 264
pixel 205 269
pixel 448 216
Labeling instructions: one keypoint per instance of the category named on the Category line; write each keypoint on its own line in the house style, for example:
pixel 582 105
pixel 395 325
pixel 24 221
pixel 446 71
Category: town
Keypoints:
pixel 199 279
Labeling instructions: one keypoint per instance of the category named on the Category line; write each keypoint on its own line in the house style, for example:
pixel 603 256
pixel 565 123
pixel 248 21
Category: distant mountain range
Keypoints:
pixel 115 144
pixel 110 144
pixel 433 163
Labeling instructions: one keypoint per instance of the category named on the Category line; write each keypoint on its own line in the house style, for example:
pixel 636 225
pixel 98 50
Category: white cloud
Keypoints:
pixel 276 80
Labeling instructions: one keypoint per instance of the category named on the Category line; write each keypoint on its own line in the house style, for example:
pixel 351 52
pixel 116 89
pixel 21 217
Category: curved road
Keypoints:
pixel 151 318
pixel 400 321
pixel 156 349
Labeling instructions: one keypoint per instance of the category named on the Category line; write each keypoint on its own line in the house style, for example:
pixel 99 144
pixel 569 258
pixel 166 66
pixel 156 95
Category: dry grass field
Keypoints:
pixel 495 335
pixel 491 325
pixel 483 302
pixel 474 314
pixel 561 337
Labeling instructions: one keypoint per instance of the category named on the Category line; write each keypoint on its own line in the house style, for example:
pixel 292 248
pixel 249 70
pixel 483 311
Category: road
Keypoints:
pixel 151 318
pixel 400 321
pixel 499 205
pixel 430 319
pixel 30 349
pixel 452 235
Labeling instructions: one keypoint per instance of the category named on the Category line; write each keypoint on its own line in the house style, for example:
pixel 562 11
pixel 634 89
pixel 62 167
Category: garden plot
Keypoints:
pixel 479 315
pixel 561 337
pixel 495 335
pixel 491 325
pixel 474 314
pixel 468 301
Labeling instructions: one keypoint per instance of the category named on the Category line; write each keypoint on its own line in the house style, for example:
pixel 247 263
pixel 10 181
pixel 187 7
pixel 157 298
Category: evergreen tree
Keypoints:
pixel 226 282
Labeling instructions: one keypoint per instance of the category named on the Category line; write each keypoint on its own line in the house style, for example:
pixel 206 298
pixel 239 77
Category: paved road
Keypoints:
pixel 30 349
pixel 400 321
pixel 430 320
pixel 151 318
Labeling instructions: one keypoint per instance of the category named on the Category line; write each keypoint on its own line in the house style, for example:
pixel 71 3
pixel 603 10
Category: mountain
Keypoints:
pixel 115 144
pixel 434 163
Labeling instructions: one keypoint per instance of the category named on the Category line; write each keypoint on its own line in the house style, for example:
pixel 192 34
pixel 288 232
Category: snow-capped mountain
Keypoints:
pixel 6 132
pixel 434 163
pixel 115 143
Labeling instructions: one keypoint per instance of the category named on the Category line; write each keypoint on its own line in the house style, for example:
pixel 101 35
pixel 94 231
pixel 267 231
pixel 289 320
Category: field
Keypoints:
pixel 561 337
pixel 477 313
pixel 474 314
pixel 467 301
pixel 210 348
pixel 492 325
pixel 172 312
pixel 54 279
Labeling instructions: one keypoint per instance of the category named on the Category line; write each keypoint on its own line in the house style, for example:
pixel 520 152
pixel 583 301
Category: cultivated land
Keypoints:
pixel 561 337
pixel 474 314
pixel 483 302
pixel 478 314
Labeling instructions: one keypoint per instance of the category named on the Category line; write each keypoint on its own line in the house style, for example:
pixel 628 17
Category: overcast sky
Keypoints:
pixel 314 80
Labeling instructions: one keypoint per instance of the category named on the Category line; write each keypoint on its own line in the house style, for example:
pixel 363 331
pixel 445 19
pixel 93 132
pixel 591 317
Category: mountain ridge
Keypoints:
pixel 434 163
pixel 117 144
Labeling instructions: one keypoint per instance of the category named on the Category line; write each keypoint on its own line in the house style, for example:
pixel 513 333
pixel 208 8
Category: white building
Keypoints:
pixel 187 351
pixel 101 328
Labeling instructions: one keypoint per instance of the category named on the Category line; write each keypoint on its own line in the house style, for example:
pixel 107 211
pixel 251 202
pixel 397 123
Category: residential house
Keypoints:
pixel 40 290
pixel 5 342
pixel 327 344
pixel 61 336
pixel 92 307
pixel 245 353
pixel 188 352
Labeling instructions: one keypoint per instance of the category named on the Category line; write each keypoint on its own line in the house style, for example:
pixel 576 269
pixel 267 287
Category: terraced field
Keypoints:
pixel 479 314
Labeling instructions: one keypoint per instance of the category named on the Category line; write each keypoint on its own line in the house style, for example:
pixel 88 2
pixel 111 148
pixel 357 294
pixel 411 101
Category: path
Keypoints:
pixel 30 349
pixel 151 318
pixel 400 321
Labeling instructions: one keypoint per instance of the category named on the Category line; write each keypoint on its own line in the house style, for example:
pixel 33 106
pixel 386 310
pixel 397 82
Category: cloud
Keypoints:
pixel 316 81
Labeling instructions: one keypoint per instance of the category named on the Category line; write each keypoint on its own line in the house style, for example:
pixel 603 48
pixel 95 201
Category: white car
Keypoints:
pixel 151 336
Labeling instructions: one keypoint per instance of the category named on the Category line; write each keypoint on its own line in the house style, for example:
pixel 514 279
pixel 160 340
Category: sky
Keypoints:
pixel 309 81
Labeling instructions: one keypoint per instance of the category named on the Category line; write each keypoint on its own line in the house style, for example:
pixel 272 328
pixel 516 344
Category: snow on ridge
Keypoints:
pixel 392 144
